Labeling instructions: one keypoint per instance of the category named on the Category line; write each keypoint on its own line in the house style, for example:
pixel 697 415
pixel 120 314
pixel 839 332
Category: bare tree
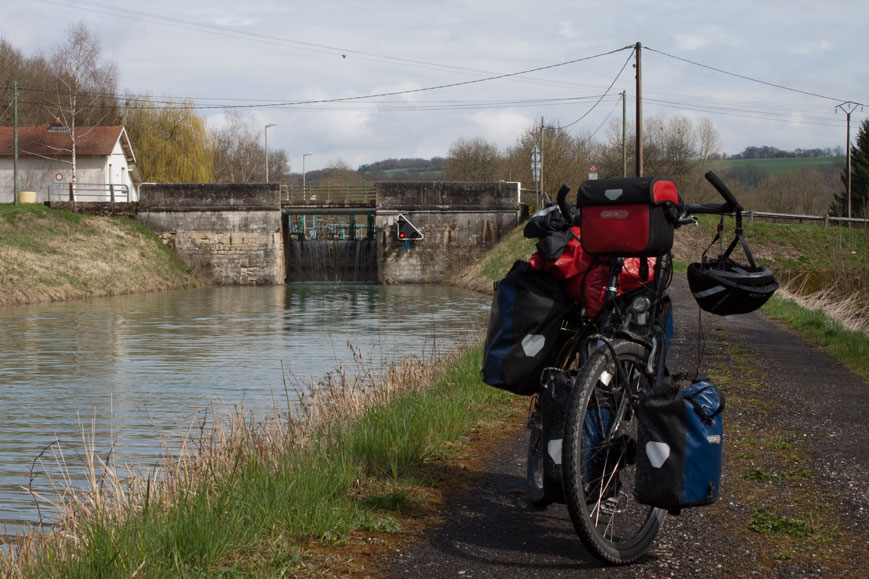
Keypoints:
pixel 472 160
pixel 239 156
pixel 85 85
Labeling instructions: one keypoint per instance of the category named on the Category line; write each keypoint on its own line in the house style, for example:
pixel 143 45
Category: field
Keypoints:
pixel 774 166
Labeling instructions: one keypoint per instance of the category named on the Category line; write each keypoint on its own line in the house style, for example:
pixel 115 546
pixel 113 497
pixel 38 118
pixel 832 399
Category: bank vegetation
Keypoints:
pixel 48 255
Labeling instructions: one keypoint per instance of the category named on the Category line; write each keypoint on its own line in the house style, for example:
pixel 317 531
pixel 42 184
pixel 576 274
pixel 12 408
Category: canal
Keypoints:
pixel 132 369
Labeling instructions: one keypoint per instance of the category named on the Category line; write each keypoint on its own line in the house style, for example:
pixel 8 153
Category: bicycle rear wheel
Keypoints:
pixel 599 465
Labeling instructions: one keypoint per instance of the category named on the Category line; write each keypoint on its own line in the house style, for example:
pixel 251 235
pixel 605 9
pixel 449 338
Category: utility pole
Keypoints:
pixel 15 142
pixel 848 108
pixel 624 134
pixel 542 135
pixel 638 56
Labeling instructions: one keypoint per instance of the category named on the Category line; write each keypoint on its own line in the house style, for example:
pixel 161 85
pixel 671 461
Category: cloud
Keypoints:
pixel 500 127
pixel 811 48
pixel 690 42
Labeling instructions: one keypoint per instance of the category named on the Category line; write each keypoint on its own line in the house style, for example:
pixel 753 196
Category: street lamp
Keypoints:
pixel 303 172
pixel 266 131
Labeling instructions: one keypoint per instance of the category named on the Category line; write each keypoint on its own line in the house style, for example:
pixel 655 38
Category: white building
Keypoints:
pixel 105 164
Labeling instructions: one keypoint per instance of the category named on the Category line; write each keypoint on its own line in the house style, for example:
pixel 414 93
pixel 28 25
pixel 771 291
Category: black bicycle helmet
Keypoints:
pixel 724 287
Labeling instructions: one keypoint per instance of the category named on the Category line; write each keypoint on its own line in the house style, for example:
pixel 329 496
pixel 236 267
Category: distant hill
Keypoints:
pixel 404 169
pixel 755 171
pixel 782 165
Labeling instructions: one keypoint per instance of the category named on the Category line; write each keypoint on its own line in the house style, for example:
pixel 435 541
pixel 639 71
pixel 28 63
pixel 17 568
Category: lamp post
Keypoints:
pixel 305 197
pixel 303 173
pixel 266 131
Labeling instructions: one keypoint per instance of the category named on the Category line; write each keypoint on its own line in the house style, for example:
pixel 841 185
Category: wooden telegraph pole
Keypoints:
pixel 638 49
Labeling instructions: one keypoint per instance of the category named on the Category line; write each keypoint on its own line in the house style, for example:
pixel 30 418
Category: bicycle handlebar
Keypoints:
pixel 561 198
pixel 730 204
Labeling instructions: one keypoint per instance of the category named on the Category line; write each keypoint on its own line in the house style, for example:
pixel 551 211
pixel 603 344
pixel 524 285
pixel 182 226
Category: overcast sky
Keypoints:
pixel 436 60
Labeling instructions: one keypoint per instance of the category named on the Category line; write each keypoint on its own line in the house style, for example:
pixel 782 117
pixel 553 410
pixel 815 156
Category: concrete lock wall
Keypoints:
pixel 229 232
pixel 458 221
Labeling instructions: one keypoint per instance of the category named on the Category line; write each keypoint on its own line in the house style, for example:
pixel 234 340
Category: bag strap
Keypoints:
pixel 702 411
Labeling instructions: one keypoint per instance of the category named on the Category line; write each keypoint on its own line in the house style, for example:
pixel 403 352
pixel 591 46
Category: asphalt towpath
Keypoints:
pixel 794 494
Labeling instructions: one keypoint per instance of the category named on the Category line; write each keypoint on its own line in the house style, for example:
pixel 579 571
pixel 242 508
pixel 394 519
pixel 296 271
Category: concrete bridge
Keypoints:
pixel 249 234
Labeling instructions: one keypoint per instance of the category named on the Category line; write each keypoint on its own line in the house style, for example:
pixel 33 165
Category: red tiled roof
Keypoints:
pixel 41 141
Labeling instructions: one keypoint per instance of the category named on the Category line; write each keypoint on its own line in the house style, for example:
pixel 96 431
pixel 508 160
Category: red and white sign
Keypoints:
pixel 592 169
pixel 592 172
pixel 58 177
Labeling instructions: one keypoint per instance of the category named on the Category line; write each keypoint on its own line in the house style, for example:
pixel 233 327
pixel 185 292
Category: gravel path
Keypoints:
pixel 795 447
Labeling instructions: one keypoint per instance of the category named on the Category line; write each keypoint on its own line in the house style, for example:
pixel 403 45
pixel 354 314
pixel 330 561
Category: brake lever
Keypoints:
pixel 688 221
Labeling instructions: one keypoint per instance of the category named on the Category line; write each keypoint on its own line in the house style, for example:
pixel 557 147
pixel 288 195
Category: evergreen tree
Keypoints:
pixel 859 178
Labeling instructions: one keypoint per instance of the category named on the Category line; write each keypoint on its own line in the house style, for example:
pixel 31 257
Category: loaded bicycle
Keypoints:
pixel 609 421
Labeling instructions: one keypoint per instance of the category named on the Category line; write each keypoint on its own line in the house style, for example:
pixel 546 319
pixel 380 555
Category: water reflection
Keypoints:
pixel 140 366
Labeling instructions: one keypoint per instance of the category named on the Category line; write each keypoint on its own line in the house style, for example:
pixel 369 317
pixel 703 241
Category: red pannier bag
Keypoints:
pixel 583 277
pixel 628 217
pixel 592 287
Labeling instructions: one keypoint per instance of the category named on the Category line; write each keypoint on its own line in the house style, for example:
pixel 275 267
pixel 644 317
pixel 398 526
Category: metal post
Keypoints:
pixel 15 143
pixel 848 108
pixel 624 133
pixel 266 131
pixel 304 190
pixel 639 111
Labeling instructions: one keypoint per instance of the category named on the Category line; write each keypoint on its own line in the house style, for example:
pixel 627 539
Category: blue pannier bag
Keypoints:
pixel 679 441
pixel 524 324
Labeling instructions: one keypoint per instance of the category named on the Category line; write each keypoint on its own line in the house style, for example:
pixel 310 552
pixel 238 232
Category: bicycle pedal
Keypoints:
pixel 614 505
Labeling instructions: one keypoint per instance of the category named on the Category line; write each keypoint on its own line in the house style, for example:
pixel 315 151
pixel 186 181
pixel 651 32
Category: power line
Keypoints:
pixel 606 92
pixel 748 78
pixel 227 32
pixel 400 92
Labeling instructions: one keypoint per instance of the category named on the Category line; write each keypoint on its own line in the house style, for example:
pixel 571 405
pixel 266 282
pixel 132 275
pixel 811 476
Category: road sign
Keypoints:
pixel 58 177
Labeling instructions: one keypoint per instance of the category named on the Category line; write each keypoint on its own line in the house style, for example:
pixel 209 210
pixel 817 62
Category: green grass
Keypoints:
pixel 497 262
pixel 773 166
pixel 256 518
pixel 849 347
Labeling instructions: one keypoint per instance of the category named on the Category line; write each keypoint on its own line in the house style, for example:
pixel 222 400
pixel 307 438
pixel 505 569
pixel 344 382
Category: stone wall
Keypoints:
pixel 229 232
pixel 459 221
pixel 104 209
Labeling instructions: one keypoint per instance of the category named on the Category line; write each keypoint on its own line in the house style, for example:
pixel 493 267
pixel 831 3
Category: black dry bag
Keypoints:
pixel 524 324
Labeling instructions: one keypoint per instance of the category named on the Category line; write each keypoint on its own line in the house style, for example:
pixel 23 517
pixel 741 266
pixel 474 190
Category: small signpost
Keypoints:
pixel 592 172
pixel 535 173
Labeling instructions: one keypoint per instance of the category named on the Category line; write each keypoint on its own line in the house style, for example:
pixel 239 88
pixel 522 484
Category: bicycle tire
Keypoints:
pixel 599 467
pixel 540 492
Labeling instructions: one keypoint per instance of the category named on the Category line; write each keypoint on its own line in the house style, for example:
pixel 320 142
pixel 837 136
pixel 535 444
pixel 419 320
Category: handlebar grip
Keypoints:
pixel 561 198
pixel 722 188
pixel 707 208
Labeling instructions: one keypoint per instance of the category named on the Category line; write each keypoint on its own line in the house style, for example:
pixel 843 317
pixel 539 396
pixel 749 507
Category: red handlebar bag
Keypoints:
pixel 629 217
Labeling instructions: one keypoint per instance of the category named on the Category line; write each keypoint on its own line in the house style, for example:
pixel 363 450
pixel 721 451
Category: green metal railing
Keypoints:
pixel 362 193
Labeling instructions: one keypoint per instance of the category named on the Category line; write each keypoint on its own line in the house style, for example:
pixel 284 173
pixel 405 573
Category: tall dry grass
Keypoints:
pixel 851 310
pixel 196 461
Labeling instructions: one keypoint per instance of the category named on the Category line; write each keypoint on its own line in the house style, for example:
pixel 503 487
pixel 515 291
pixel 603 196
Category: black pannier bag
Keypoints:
pixel 679 441
pixel 628 217
pixel 524 324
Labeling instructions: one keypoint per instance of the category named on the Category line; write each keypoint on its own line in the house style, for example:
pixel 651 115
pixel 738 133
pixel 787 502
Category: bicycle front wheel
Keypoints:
pixel 599 464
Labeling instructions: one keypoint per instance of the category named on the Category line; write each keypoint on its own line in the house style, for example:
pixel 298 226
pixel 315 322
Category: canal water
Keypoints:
pixel 135 368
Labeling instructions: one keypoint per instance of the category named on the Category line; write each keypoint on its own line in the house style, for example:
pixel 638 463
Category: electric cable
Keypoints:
pixel 748 78
pixel 605 92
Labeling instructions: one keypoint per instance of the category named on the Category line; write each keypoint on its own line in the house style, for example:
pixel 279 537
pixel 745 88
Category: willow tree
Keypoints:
pixel 171 142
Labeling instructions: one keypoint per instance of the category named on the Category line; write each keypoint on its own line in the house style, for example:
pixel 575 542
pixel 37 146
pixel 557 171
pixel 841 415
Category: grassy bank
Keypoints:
pixel 48 255
pixel 313 494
